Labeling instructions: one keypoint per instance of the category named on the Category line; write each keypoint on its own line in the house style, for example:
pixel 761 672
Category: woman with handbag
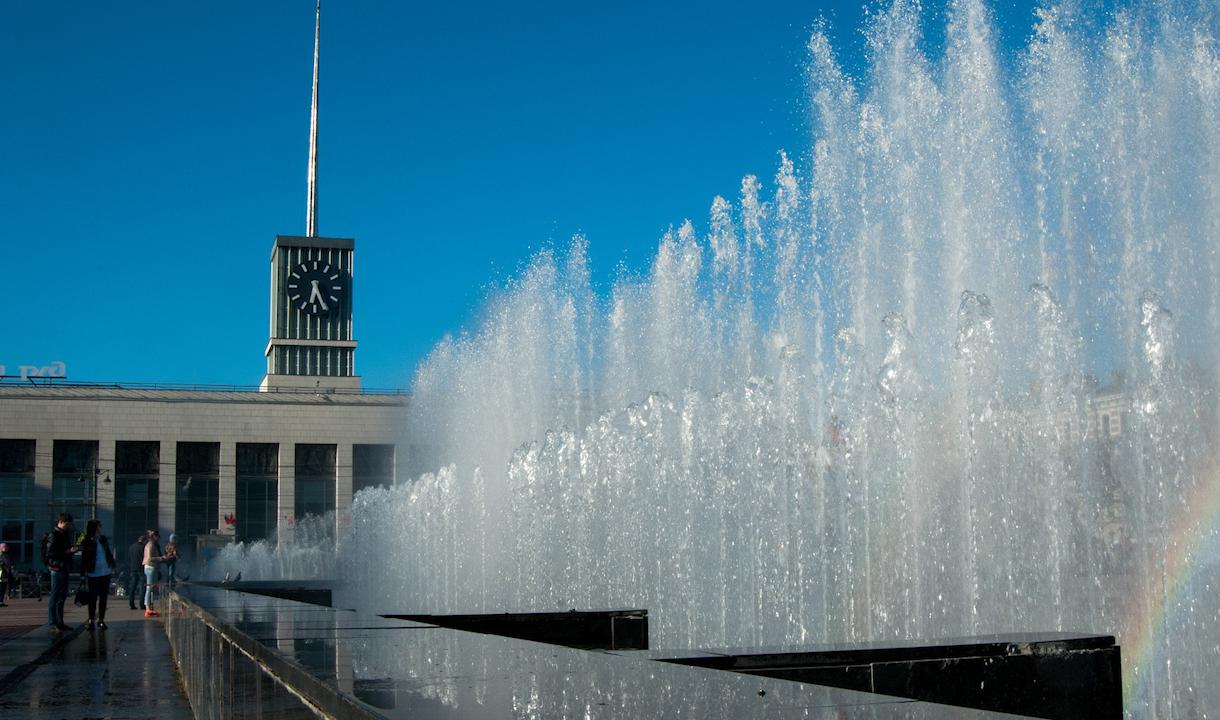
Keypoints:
pixel 97 561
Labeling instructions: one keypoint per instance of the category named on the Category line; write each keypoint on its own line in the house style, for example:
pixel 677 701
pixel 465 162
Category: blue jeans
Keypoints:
pixel 135 587
pixel 150 576
pixel 59 596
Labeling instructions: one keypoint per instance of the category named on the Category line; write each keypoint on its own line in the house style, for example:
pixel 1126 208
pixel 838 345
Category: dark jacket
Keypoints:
pixel 135 557
pixel 88 553
pixel 58 557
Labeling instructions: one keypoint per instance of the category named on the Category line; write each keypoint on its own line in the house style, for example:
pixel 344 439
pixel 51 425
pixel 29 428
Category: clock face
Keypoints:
pixel 315 287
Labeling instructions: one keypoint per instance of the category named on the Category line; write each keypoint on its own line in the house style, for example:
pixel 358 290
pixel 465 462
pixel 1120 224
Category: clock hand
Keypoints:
pixel 317 294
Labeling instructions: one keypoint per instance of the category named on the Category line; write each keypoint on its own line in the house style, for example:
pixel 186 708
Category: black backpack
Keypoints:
pixel 46 549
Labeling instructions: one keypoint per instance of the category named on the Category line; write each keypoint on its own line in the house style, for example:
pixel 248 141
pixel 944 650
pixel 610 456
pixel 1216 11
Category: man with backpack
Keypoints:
pixel 58 557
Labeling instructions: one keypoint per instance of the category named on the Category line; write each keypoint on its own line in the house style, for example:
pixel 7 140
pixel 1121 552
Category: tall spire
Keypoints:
pixel 311 218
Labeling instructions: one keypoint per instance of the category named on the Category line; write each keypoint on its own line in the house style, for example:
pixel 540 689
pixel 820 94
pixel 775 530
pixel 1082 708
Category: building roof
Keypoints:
pixel 149 392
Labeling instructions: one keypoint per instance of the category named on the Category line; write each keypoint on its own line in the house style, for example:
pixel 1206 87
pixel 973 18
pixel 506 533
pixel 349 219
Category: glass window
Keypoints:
pixel 137 458
pixel 315 484
pixel 75 456
pixel 137 480
pixel 16 456
pixel 372 466
pixel 73 470
pixel 72 494
pixel 198 457
pixel 198 492
pixel 257 490
pixel 17 501
pixel 73 476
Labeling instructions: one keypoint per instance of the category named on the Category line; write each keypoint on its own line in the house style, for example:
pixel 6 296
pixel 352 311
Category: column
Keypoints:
pixel 343 487
pixel 105 484
pixel 227 492
pixel 286 493
pixel 167 487
pixel 43 471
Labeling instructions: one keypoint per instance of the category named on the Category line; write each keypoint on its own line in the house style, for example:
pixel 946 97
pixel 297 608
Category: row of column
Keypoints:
pixel 227 490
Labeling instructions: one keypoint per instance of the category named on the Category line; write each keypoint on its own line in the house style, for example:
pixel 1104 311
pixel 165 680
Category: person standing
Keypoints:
pixel 152 557
pixel 59 560
pixel 97 562
pixel 6 573
pixel 135 572
pixel 171 560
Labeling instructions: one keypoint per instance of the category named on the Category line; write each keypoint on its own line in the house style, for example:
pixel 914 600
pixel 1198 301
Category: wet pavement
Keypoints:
pixel 123 673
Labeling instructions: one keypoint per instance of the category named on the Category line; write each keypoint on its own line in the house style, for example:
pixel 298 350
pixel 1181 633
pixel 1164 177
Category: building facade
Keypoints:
pixel 243 464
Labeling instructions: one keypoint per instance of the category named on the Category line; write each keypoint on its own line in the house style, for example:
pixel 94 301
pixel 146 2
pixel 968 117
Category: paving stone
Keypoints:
pixel 123 673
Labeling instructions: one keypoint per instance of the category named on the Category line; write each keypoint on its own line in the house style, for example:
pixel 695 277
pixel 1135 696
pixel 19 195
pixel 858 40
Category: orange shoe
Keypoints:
pixel 151 613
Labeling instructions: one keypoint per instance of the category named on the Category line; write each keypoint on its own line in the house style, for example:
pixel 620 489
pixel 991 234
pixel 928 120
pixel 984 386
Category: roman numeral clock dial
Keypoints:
pixel 315 287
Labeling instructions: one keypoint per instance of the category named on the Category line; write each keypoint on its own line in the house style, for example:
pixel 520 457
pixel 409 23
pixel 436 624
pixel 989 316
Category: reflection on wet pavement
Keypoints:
pixel 373 667
pixel 125 672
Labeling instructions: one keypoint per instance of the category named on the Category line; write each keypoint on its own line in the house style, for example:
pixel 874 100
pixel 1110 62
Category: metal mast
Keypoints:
pixel 311 218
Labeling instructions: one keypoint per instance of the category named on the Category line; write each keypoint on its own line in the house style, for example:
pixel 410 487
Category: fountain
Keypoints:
pixel 957 376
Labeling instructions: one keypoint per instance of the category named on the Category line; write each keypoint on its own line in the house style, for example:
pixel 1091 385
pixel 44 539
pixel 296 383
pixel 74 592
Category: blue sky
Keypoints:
pixel 152 151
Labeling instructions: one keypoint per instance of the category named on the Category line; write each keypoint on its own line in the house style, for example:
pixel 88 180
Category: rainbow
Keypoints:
pixel 1194 538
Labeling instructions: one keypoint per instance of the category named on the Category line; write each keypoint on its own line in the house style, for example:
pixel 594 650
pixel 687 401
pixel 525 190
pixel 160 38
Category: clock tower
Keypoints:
pixel 311 343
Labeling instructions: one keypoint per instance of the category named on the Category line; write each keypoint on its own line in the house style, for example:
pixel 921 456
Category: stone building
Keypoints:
pixel 241 464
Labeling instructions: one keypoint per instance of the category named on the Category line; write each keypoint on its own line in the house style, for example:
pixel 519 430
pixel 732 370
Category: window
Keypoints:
pixel 17 501
pixel 315 485
pixel 137 471
pixel 73 465
pixel 372 466
pixel 198 496
pixel 17 456
pixel 258 466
